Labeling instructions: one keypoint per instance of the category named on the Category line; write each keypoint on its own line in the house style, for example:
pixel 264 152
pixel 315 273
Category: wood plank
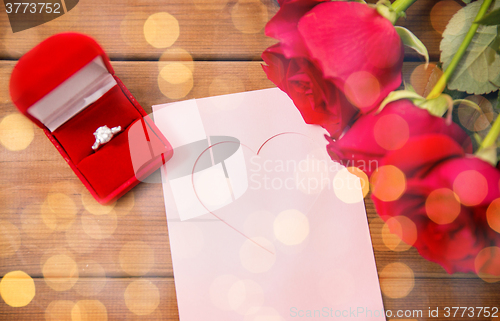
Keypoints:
pixel 206 28
pixel 109 297
pixel 100 299
pixel 209 30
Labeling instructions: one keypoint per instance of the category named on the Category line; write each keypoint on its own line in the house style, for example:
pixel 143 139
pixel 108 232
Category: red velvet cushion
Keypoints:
pixel 112 165
pixel 109 167
pixel 113 109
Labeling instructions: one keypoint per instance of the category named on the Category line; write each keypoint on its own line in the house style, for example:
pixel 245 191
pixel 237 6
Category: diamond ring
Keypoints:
pixel 104 134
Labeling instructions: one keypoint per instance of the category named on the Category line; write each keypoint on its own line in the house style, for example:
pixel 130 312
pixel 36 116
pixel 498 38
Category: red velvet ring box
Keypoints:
pixel 66 86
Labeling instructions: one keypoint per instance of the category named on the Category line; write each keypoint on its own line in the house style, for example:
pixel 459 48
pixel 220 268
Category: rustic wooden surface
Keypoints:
pixel 219 42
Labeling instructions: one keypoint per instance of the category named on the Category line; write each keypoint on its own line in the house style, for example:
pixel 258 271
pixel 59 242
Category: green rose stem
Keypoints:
pixel 441 83
pixel 402 5
pixel 492 135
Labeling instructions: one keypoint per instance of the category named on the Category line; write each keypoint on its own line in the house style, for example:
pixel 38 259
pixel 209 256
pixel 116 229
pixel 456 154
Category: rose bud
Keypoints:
pixel 333 59
pixel 446 194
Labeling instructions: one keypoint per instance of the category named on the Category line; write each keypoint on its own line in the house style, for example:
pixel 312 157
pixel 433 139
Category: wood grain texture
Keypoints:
pixel 427 293
pixel 29 175
pixel 209 30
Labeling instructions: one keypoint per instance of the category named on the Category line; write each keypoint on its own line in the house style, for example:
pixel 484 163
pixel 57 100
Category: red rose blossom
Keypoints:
pixel 447 194
pixel 373 135
pixel 333 58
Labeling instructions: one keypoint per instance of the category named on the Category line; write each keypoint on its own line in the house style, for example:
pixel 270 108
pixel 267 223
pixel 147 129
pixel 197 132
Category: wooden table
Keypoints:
pixel 115 263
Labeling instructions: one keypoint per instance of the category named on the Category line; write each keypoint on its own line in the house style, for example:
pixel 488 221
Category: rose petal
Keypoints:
pixel 349 37
pixel 283 26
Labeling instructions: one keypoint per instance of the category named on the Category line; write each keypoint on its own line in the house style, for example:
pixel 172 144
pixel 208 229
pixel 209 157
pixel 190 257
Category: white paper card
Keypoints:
pixel 262 224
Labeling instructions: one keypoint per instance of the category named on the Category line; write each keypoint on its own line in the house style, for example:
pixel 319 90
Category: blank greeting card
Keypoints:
pixel 262 224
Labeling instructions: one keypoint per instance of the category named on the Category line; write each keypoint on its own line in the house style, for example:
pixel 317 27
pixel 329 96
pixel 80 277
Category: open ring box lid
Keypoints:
pixel 66 86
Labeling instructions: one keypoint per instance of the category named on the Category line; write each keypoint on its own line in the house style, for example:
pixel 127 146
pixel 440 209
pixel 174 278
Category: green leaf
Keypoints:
pixel 437 106
pixel 495 45
pixel 466 1
pixel 480 66
pixel 398 95
pixel 490 19
pixel 410 40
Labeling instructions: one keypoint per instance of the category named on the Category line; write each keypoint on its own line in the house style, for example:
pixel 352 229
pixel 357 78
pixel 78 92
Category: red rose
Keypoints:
pixel 446 194
pixel 373 135
pixel 333 58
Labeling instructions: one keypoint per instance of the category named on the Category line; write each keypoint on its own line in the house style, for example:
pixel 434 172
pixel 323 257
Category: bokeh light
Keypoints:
pixel 79 240
pixel 471 187
pixel 161 30
pixel 71 188
pixel 16 132
pixel 487 264
pixel 476 120
pixel 219 291
pixel 175 80
pixel 10 239
pixel 176 54
pixel 91 205
pixel 362 89
pixel 350 185
pixel 92 278
pixel 136 258
pixel 99 226
pixel 441 14
pixel 246 297
pixel 249 16
pixel 388 183
pixel 176 73
pixel 257 255
pixel 493 215
pixel 58 211
pixel 291 227
pixel 59 310
pixel 142 297
pixel 391 132
pixel 87 310
pixel 399 233
pixel 60 272
pixel 363 178
pixel 17 289
pixel 423 79
pixel 442 206
pixel 396 280
pixel 125 204
pixel 32 222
